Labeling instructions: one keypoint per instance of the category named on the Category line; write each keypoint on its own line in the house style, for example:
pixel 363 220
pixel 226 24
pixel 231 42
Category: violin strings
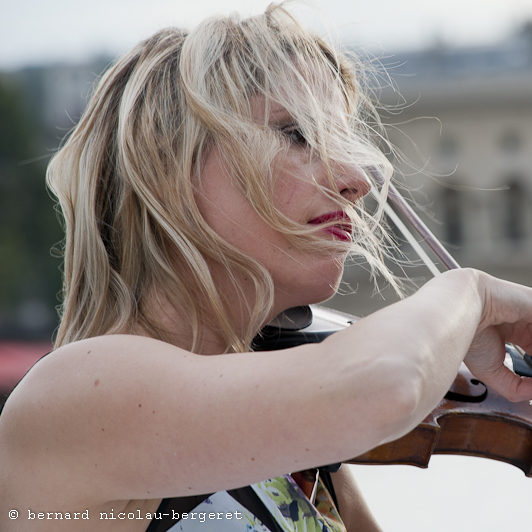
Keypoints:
pixel 391 214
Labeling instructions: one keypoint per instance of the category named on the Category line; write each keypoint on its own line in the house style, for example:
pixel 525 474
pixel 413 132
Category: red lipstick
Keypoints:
pixel 341 229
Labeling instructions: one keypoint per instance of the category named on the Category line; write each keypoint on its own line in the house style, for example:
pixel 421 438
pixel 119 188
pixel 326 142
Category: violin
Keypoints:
pixel 471 419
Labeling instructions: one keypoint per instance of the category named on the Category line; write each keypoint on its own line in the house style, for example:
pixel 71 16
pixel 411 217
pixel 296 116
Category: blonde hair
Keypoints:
pixel 125 178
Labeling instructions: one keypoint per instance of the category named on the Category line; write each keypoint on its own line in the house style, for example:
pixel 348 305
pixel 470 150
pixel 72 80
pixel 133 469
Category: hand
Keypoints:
pixel 506 318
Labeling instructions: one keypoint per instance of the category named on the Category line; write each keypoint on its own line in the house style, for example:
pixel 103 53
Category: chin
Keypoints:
pixel 325 294
pixel 309 286
pixel 316 293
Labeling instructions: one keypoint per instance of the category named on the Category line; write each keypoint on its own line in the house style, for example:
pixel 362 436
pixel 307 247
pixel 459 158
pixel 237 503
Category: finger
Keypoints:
pixel 506 383
pixel 519 333
pixel 505 302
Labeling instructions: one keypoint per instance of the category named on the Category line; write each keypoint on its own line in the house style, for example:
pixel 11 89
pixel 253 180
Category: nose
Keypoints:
pixel 351 182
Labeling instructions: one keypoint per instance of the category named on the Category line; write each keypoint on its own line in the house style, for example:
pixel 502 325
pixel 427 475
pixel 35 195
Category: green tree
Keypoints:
pixel 29 275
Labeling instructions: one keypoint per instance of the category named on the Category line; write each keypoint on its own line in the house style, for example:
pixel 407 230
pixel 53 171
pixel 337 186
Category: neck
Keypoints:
pixel 169 319
pixel 171 323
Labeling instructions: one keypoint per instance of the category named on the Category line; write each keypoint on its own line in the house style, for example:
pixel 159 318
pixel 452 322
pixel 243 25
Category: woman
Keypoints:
pixel 214 181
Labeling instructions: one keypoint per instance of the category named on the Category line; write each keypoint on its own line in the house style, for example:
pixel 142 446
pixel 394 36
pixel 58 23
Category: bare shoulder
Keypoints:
pixel 73 407
pixel 84 375
pixel 85 370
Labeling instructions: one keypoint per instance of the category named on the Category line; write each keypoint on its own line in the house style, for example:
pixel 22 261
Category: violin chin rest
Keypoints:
pixel 293 319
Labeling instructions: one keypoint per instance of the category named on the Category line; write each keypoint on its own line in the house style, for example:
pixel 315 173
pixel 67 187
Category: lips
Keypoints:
pixel 341 229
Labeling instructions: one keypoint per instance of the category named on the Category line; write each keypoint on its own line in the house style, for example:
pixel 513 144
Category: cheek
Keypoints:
pixel 231 216
pixel 295 189
pixel 285 194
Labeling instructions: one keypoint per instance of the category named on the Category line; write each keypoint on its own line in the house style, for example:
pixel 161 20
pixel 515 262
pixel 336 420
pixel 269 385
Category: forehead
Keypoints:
pixel 289 105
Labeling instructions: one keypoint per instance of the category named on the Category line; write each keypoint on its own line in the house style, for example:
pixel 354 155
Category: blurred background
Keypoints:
pixel 457 101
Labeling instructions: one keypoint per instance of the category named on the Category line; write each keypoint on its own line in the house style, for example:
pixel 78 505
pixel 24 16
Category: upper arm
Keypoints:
pixel 137 418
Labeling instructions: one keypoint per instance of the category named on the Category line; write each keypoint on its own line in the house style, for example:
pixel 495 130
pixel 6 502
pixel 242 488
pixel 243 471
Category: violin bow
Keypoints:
pixel 401 205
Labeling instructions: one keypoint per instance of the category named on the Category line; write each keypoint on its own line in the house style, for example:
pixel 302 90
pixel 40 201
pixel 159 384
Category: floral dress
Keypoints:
pixel 290 503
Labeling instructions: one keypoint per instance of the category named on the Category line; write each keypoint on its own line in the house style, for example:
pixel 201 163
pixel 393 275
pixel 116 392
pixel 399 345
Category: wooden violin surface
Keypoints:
pixel 471 420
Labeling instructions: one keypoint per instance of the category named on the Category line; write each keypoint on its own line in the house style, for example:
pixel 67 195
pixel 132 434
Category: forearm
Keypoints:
pixel 353 509
pixel 434 331
pixel 415 347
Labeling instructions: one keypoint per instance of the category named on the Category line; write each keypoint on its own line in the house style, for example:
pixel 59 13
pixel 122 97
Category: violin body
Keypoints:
pixel 479 423
pixel 470 420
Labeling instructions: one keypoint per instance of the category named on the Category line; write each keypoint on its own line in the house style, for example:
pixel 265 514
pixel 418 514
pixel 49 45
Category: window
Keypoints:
pixel 510 141
pixel 514 210
pixel 448 148
pixel 453 216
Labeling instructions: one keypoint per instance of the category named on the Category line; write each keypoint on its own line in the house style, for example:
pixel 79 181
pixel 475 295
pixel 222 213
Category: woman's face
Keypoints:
pixel 299 276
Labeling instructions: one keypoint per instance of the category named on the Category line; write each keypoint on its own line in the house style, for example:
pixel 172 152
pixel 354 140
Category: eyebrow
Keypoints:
pixel 279 115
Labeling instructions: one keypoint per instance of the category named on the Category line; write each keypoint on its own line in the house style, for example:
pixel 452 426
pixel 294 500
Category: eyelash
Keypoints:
pixel 294 134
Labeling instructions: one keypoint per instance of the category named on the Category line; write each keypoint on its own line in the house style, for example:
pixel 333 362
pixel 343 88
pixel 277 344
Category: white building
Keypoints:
pixel 465 133
pixel 475 153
